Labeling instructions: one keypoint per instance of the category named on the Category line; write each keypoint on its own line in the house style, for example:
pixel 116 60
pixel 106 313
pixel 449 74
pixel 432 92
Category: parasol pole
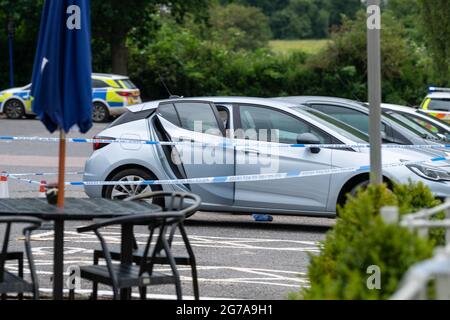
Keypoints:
pixel 61 168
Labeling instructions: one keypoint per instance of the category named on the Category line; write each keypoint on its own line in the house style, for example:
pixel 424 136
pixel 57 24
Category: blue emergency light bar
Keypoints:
pixel 438 89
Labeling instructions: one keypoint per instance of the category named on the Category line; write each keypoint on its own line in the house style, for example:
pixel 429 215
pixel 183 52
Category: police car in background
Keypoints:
pixel 437 103
pixel 111 95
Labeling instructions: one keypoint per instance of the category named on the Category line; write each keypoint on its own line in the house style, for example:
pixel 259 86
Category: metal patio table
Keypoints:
pixel 78 209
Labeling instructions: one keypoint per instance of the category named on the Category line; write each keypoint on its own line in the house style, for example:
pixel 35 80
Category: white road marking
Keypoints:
pixel 196 241
pixel 107 293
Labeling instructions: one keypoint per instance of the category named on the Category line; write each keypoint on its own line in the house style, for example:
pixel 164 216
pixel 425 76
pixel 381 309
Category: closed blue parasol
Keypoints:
pixel 61 84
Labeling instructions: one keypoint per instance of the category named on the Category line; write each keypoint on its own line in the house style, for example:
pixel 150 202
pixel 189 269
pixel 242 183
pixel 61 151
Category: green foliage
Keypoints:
pixel 26 17
pixel 361 239
pixel 301 19
pixel 239 27
pixel 435 18
pixel 294 19
pixel 192 66
pixel 414 197
pixel 402 72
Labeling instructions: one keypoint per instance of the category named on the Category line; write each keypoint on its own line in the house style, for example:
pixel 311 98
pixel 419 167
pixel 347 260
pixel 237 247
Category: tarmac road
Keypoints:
pixel 237 257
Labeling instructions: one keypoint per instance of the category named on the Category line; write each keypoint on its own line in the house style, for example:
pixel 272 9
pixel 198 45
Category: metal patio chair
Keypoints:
pixel 184 203
pixel 126 276
pixel 11 283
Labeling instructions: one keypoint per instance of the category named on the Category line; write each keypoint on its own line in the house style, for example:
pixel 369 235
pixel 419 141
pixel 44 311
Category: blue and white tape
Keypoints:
pixel 226 144
pixel 250 177
pixel 231 179
pixel 38 174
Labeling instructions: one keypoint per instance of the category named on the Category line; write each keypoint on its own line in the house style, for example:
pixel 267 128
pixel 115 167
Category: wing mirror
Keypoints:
pixel 309 138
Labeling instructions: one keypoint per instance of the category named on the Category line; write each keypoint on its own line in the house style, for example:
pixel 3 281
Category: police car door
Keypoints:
pixel 193 124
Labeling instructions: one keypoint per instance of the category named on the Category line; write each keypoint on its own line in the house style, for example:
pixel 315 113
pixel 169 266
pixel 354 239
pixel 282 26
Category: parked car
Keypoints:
pixel 175 120
pixel 395 129
pixel 439 127
pixel 111 95
pixel 437 103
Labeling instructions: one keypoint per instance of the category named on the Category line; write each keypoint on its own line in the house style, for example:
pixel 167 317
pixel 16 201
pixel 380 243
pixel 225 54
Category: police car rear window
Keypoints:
pixel 128 84
pixel 131 116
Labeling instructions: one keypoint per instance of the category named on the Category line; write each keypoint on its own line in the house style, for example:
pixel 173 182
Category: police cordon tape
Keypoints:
pixel 240 178
pixel 225 144
pixel 41 174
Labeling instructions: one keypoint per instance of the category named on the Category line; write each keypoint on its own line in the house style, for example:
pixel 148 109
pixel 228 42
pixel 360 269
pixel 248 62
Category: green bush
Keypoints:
pixel 361 239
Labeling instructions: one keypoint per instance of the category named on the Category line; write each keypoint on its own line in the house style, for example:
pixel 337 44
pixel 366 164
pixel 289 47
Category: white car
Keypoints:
pixel 175 120
pixel 437 103
pixel 422 118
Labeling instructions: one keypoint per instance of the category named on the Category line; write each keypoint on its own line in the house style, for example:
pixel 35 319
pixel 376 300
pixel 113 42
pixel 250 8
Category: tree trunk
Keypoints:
pixel 119 50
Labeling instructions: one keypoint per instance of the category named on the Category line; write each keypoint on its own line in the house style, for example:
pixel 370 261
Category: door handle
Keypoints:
pixel 187 139
pixel 254 151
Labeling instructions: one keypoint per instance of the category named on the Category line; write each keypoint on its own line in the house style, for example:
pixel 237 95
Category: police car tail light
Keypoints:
pixel 124 93
pixel 100 144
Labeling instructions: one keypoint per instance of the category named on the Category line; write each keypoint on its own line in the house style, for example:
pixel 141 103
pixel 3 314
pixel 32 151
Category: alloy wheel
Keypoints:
pixel 100 113
pixel 14 109
pixel 124 191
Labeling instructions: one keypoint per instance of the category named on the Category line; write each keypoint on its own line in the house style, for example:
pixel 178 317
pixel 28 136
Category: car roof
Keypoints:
pixel 324 99
pixel 396 107
pixel 439 95
pixel 216 100
pixel 109 76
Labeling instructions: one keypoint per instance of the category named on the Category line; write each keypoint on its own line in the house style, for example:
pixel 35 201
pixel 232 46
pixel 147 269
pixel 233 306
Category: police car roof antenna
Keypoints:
pixel 171 96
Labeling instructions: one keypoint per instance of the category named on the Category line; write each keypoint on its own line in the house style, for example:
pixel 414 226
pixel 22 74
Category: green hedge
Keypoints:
pixel 195 64
pixel 361 239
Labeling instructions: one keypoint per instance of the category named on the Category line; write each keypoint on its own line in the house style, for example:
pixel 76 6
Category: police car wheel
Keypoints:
pixel 124 191
pixel 100 112
pixel 14 109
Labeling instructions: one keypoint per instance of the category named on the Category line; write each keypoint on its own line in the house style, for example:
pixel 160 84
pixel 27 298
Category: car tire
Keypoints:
pixel 121 192
pixel 14 109
pixel 361 185
pixel 100 112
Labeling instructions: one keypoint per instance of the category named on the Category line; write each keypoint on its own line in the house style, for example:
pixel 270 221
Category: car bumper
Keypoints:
pixel 440 189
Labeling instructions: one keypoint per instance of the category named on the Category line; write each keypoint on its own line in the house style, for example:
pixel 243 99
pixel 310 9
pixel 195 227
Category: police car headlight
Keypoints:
pixel 430 173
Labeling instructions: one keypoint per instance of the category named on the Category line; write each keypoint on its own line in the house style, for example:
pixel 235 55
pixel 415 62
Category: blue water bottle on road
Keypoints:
pixel 262 217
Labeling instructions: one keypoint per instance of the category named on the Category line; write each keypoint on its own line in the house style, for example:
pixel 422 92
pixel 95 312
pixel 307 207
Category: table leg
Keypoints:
pixel 126 254
pixel 58 260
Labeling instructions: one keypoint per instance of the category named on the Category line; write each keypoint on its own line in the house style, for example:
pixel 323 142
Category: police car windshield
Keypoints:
pixel 439 104
pixel 334 124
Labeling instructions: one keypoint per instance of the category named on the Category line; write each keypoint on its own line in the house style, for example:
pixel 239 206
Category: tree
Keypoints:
pixel 302 19
pixel 240 27
pixel 343 65
pixel 116 19
pixel 436 25
pixel 26 15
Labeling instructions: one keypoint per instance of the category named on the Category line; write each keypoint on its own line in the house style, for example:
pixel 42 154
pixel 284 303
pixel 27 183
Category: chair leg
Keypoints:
pixel 192 261
pixel 116 295
pixel 195 280
pixel 94 295
pixel 143 293
pixel 20 296
pixel 173 266
pixel 72 294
